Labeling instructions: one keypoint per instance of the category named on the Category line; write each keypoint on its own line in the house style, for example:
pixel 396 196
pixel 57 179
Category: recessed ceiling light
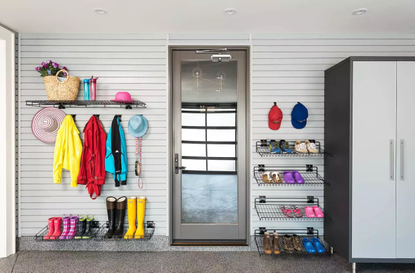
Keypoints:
pixel 100 11
pixel 359 11
pixel 229 11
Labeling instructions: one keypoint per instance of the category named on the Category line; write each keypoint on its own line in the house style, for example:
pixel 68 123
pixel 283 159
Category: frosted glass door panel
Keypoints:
pixel 191 119
pixel 221 135
pixel 221 150
pixel 194 134
pixel 221 119
pixel 194 150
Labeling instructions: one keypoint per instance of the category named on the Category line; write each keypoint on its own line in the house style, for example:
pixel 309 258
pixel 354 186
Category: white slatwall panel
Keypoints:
pixel 133 63
pixel 290 68
pixel 284 68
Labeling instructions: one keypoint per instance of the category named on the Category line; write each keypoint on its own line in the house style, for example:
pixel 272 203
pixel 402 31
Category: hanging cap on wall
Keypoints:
pixel 299 116
pixel 275 117
pixel 46 123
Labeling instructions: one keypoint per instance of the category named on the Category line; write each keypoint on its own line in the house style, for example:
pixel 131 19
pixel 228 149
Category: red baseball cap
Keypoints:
pixel 275 117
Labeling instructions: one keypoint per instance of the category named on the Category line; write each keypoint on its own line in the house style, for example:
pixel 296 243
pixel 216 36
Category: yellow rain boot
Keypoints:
pixel 132 216
pixel 141 209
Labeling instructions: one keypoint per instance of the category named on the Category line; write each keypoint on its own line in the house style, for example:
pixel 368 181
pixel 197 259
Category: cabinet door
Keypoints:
pixel 373 178
pixel 405 176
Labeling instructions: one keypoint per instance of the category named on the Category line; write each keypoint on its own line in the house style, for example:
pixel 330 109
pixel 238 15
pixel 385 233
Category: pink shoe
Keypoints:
pixel 309 212
pixel 318 212
pixel 50 227
pixel 65 223
pixel 72 227
pixel 286 212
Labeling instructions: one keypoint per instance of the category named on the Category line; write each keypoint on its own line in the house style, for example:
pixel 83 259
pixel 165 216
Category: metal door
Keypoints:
pixel 209 139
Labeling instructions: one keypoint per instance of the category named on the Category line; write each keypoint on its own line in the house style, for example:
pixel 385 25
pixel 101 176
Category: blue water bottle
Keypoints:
pixel 86 89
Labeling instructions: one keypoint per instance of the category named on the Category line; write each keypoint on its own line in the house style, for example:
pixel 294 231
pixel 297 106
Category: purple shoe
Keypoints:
pixel 65 223
pixel 298 178
pixel 288 177
pixel 72 227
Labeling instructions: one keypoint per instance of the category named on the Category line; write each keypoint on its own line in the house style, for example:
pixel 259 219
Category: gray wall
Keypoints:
pixel 284 68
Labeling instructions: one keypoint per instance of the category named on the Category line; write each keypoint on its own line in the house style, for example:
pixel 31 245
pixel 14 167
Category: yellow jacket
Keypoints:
pixel 68 151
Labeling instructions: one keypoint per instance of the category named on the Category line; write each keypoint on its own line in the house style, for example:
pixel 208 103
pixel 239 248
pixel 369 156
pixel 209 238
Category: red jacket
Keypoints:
pixel 92 172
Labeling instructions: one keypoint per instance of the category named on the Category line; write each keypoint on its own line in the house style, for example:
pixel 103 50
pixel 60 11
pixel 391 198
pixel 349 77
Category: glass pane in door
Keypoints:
pixel 209 103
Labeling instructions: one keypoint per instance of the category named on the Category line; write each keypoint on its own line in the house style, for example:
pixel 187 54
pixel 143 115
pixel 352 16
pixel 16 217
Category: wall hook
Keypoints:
pixel 97 116
pixel 275 104
pixel 119 117
pixel 74 117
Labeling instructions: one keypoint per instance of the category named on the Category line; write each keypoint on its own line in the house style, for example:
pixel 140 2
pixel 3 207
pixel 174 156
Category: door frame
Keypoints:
pixel 170 160
pixel 8 141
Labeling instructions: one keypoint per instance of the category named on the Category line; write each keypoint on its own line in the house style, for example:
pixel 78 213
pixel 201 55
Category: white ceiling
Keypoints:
pixel 206 16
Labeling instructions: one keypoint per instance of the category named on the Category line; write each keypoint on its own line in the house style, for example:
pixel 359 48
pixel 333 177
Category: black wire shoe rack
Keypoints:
pixel 309 233
pixel 269 209
pixel 262 148
pixel 308 172
pixel 62 104
pixel 150 227
pixel 95 227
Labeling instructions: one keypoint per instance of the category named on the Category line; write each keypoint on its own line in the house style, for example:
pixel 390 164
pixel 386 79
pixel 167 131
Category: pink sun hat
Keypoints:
pixel 46 123
pixel 123 97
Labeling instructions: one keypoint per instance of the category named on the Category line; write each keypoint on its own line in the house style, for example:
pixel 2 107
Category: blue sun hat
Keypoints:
pixel 137 126
pixel 299 116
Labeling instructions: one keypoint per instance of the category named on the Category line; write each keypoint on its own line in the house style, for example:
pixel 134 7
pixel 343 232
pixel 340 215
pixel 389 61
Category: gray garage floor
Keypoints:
pixel 38 261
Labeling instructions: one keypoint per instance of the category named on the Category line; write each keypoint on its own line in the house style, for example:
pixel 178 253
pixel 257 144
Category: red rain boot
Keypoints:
pixel 57 221
pixel 51 229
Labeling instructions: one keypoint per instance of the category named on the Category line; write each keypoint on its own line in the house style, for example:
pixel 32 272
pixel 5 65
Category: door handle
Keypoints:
pixel 391 160
pixel 402 171
pixel 176 164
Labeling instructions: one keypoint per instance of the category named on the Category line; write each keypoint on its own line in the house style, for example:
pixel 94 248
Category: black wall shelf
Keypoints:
pixel 62 104
pixel 150 227
pixel 95 227
pixel 270 208
pixel 308 172
pixel 262 148
pixel 309 233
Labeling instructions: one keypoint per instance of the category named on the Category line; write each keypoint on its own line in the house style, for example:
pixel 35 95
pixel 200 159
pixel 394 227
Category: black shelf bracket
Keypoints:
pixel 261 168
pixel 150 224
pixel 309 168
pixel 262 230
pixel 310 199
pixel 95 224
pixel 310 230
pixel 262 199
pixel 264 143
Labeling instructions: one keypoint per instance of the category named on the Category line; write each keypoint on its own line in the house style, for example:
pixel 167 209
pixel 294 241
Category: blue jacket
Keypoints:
pixel 116 153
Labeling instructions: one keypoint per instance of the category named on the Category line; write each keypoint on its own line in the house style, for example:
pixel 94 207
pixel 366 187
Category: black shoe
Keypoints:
pixel 111 216
pixel 81 227
pixel 120 216
pixel 88 228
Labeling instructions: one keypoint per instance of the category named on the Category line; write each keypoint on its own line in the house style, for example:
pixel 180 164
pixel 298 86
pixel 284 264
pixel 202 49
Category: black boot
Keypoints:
pixel 111 216
pixel 88 228
pixel 119 217
pixel 81 227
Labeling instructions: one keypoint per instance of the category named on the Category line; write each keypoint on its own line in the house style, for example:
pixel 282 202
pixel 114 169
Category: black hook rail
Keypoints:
pixel 63 104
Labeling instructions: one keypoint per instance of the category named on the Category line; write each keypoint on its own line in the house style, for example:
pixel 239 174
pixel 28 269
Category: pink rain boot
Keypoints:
pixel 57 221
pixel 72 228
pixel 65 222
pixel 51 228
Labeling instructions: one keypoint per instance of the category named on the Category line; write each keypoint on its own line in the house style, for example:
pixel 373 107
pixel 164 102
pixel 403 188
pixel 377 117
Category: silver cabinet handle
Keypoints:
pixel 391 159
pixel 402 159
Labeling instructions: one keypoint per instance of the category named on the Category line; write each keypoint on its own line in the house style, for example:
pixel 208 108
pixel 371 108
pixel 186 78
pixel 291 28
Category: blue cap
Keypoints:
pixel 299 116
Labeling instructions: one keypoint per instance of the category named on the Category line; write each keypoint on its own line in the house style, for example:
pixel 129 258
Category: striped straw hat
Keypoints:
pixel 46 123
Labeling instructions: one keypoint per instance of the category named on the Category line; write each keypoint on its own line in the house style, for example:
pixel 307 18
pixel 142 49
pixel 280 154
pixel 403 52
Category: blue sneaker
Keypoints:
pixel 274 147
pixel 285 147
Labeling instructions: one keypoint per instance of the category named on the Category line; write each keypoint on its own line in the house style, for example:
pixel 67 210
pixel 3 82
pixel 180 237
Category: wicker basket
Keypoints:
pixel 57 90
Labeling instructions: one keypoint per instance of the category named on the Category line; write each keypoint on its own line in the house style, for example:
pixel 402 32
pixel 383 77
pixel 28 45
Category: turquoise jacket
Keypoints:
pixel 119 175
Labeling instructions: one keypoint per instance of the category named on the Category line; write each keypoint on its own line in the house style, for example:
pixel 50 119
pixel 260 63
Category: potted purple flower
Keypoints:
pixel 50 69
pixel 65 89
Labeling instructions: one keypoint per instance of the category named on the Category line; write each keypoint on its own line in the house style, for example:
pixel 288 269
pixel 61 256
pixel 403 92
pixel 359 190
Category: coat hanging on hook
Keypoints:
pixel 116 153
